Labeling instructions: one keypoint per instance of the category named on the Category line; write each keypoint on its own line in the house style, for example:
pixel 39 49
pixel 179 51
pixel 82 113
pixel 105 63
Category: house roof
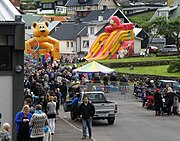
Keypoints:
pixel 53 24
pixel 8 11
pixel 94 14
pixel 76 3
pixel 56 18
pixel 137 31
pixel 69 31
pixel 30 18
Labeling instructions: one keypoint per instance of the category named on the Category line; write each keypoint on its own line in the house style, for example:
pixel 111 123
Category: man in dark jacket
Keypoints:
pixel 87 110
pixel 158 102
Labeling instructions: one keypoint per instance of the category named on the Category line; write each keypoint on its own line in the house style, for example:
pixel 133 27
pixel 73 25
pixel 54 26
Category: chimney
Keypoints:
pixel 170 3
pixel 52 19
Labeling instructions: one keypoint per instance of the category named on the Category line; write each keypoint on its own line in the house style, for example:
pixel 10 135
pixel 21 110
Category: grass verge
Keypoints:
pixel 152 70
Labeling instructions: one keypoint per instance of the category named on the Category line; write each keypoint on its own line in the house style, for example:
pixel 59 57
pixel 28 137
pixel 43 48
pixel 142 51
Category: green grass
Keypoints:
pixel 138 59
pixel 146 15
pixel 152 70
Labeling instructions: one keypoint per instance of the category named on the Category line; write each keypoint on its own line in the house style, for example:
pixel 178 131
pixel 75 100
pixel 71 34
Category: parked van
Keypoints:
pixel 169 49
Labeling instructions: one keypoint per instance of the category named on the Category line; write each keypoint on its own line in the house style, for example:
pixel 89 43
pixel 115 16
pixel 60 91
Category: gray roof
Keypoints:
pixel 30 18
pixel 93 15
pixel 69 31
pixel 106 14
pixel 76 3
pixel 53 24
pixel 7 11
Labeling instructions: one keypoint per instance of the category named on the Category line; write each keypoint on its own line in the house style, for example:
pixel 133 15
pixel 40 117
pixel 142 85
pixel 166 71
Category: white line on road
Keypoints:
pixel 73 126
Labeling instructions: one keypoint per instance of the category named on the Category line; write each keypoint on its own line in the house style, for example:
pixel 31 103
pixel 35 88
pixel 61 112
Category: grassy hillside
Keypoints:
pixel 152 70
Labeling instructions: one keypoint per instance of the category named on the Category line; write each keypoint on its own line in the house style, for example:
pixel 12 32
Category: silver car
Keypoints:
pixel 169 49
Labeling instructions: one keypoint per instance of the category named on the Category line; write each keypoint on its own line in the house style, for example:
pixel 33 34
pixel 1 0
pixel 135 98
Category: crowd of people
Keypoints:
pixel 48 85
pixel 163 102
pixel 46 88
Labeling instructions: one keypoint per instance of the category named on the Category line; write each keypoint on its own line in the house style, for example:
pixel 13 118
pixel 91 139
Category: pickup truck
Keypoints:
pixel 104 109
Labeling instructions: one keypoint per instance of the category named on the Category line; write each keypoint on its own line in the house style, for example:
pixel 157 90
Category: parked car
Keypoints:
pixel 160 84
pixel 174 84
pixel 169 49
pixel 104 109
pixel 153 49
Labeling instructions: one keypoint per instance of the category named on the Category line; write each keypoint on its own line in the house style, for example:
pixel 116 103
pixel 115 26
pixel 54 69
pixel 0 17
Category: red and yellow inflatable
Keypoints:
pixel 116 42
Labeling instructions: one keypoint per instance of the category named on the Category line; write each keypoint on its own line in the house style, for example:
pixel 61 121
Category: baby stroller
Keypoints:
pixel 164 109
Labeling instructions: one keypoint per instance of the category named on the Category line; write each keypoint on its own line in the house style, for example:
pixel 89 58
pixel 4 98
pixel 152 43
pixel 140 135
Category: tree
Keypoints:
pixel 155 28
pixel 173 30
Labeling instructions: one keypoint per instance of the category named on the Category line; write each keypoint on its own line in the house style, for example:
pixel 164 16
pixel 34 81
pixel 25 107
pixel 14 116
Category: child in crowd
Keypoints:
pixel 4 133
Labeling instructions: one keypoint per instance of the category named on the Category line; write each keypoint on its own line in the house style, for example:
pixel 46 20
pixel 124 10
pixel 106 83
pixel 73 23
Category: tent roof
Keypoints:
pixel 94 67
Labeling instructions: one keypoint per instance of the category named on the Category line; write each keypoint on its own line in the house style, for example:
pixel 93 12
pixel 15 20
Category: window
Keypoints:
pixel 85 44
pixel 47 5
pixel 60 3
pixel 67 44
pixel 165 14
pixel 91 30
pixel 71 44
pixel 5 58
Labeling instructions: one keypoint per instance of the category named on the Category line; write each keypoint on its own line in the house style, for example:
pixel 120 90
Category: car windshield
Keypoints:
pixel 176 84
pixel 96 97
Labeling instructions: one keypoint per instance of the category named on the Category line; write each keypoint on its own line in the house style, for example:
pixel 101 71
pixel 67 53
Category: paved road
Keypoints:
pixel 133 123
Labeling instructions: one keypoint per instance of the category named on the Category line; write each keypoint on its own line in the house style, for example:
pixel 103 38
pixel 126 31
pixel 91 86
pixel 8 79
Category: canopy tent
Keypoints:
pixel 94 67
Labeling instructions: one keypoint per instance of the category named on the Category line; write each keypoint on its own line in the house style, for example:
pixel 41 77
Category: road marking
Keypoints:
pixel 73 126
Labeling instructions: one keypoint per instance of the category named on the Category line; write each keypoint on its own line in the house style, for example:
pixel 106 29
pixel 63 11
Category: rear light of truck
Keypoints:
pixel 115 110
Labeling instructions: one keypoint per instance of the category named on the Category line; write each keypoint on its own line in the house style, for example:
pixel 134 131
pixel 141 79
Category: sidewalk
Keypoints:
pixel 66 132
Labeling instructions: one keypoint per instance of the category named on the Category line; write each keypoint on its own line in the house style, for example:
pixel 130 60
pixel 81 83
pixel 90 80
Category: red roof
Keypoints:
pixel 15 2
pixel 56 18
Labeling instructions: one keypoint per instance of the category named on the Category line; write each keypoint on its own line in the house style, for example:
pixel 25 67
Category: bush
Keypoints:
pixel 174 66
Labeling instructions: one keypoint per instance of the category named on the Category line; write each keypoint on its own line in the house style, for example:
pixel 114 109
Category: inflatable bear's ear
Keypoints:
pixel 46 23
pixel 34 24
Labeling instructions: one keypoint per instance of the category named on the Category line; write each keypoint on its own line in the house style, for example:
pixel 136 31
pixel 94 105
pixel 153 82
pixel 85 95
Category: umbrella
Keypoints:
pixel 94 67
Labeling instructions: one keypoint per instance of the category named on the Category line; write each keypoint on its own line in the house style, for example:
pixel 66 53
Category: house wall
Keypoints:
pixel 137 46
pixel 109 3
pixel 61 10
pixel 45 11
pixel 67 50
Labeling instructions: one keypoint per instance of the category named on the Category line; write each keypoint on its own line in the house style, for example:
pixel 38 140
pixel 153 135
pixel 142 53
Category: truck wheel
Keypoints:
pixel 72 115
pixel 111 121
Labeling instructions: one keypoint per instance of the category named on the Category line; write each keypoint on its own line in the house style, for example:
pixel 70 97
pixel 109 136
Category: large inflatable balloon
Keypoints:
pixel 116 42
pixel 42 42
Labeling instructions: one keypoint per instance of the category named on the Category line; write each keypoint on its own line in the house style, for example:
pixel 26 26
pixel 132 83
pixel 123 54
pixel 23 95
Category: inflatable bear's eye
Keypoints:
pixel 42 26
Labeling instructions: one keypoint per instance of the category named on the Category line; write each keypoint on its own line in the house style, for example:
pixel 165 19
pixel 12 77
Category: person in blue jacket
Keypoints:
pixel 75 105
pixel 22 124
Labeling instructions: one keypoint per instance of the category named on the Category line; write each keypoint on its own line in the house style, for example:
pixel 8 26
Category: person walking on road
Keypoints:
pixel 87 110
pixel 22 124
pixel 51 113
pixel 38 121
pixel 169 100
pixel 158 103
pixel 75 106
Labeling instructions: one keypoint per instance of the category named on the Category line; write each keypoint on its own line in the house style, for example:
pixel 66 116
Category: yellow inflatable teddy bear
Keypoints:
pixel 41 39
